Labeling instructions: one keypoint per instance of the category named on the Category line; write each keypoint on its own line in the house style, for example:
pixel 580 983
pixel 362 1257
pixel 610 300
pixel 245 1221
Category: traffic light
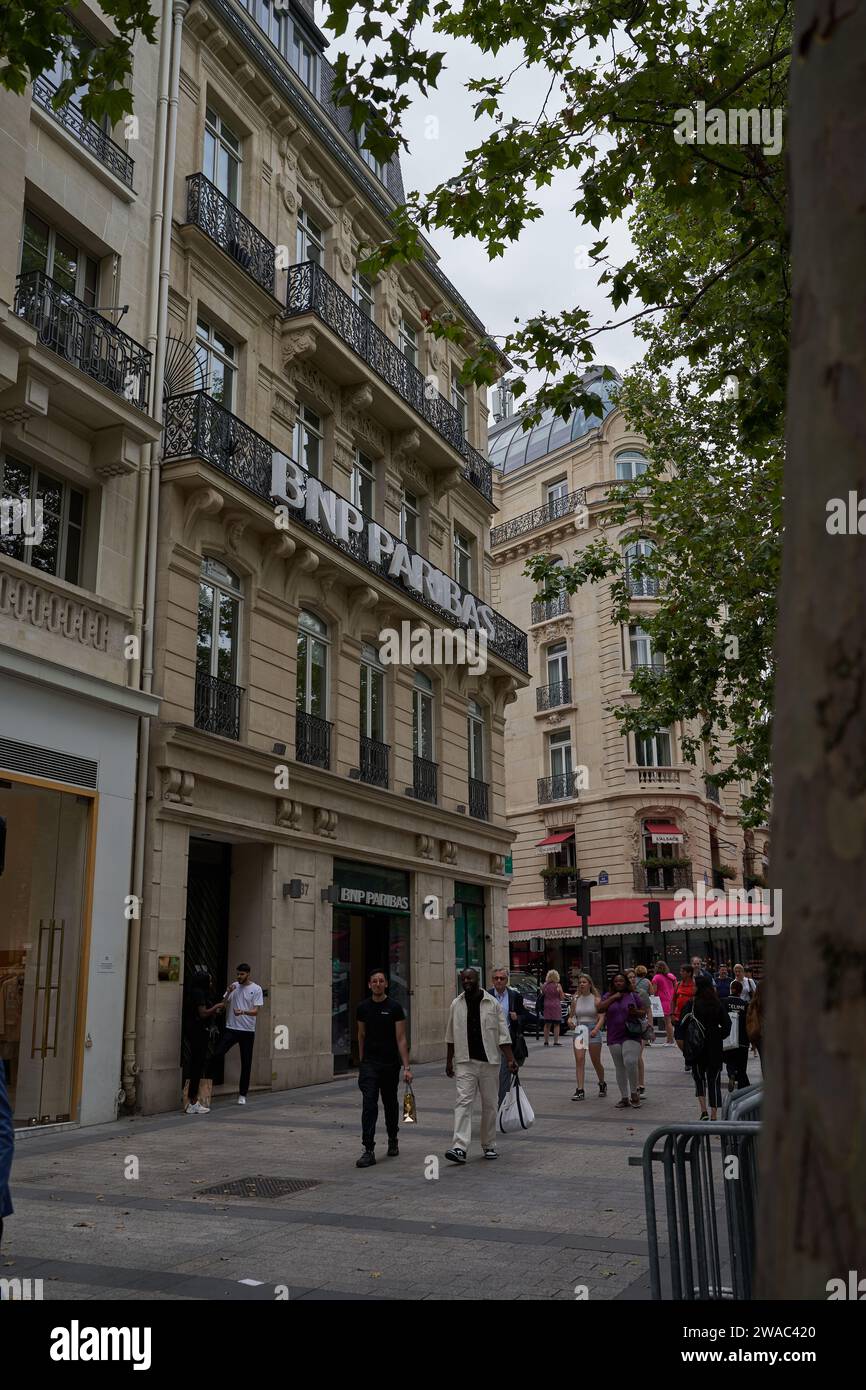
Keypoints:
pixel 653 916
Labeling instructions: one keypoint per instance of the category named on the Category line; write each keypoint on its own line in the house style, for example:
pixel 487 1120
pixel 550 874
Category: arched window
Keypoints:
pixel 630 463
pixel 640 585
pixel 217 694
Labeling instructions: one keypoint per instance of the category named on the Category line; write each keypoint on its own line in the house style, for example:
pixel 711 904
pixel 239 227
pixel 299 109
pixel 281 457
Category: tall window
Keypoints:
pixel 310 240
pixel 557 663
pixel 303 60
pixel 462 558
pixel 78 43
pixel 559 751
pixel 557 492
pixel 307 441
pixel 654 751
pixel 641 649
pixel 458 397
pixel 219 610
pixel 218 358
pixel 372 695
pixel 363 483
pixel 312 687
pixel 409 342
pixel 409 516
pixel 363 293
pixel 422 717
pixel 368 157
pixel 475 733
pixel 222 155
pixel 44 248
pixel 58 552
pixel 630 463
pixel 273 19
pixel 640 586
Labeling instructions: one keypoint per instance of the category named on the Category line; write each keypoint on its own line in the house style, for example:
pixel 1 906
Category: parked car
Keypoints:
pixel 528 987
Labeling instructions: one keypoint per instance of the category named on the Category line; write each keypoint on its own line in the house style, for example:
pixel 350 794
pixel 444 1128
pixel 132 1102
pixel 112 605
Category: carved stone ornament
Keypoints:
pixel 205 501
pixel 298 343
pixel 288 813
pixel 424 846
pixel 448 852
pixel 235 524
pixel 325 823
pixel 497 864
pixel 345 261
pixel 436 529
pixel 359 397
pixel 177 786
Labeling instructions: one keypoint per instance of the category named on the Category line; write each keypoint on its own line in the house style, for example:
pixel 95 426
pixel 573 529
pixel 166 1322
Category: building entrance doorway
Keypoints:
pixel 367 938
pixel 208 889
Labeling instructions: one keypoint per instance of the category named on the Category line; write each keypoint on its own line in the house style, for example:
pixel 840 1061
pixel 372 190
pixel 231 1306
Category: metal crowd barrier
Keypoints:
pixel 710 1177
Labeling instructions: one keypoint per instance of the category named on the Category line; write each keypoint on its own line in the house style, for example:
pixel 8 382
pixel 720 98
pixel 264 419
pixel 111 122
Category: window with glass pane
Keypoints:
pixel 363 293
pixel 560 755
pixel 408 342
pixel 312 685
pixel 654 751
pixel 462 559
pixel 458 396
pixel 307 441
pixel 476 741
pixel 222 155
pixel 310 242
pixel 409 520
pixel 641 649
pixel 58 550
pixel 368 157
pixel 218 360
pixel 304 60
pixel 44 248
pixel 558 491
pixel 630 464
pixel 641 586
pixel 363 483
pixel 217 632
pixel 557 663
pixel 372 695
pixel 422 717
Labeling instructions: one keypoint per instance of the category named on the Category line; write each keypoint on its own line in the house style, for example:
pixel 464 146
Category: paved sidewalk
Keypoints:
pixel 560 1208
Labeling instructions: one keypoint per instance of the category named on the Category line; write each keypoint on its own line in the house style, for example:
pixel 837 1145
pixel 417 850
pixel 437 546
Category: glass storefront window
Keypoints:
pixel 364 940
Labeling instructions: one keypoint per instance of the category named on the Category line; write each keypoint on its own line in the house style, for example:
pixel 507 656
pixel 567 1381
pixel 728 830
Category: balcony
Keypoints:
pixel 553 608
pixel 643 586
pixel 424 779
pixel 712 792
pixel 373 761
pixel 658 776
pixel 195 426
pixel 552 696
pixel 88 134
pixel 561 883
pixel 209 210
pixel 654 668
pixel 558 788
pixel 83 337
pixel 311 290
pixel 531 521
pixel 479 799
pixel 313 740
pixel 665 879
pixel 217 706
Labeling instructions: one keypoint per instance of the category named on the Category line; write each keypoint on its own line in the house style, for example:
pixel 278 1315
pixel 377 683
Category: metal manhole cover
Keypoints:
pixel 259 1187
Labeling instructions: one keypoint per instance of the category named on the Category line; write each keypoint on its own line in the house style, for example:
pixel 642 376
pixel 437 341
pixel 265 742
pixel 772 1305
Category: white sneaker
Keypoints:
pixel 197 1109
pixel 242 1100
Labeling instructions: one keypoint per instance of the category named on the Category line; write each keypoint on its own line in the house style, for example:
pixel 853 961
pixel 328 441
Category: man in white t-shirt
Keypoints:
pixel 243 999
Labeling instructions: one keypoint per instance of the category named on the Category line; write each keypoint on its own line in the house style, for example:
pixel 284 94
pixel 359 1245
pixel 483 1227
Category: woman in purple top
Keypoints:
pixel 625 1012
pixel 552 996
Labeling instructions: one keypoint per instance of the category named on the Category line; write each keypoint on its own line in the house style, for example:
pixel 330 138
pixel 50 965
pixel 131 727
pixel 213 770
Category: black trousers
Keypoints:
pixel 245 1042
pixel 736 1061
pixel 707 1077
pixel 377 1079
pixel 197 1057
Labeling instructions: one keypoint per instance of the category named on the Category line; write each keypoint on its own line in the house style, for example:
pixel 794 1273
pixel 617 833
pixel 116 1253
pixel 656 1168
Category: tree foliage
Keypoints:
pixel 706 287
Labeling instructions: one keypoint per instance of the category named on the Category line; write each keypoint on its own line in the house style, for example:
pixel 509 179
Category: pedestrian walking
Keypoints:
pixel 755 1020
pixel 7 1148
pixel 552 997
pixel 714 1025
pixel 737 1058
pixel 749 986
pixel 243 1000
pixel 663 984
pixel 583 1015
pixel 382 1044
pixel 641 985
pixel 701 969
pixel 723 983
pixel 683 994
pixel 200 1027
pixel 514 1012
pixel 624 1012
pixel 475 1037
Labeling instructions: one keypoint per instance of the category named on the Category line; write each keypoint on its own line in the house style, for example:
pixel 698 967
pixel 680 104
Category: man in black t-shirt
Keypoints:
pixel 381 1045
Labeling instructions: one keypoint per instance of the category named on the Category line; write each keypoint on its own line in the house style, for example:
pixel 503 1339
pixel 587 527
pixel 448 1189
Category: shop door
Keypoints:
pixel 42 927
pixel 469 939
pixel 364 942
pixel 205 944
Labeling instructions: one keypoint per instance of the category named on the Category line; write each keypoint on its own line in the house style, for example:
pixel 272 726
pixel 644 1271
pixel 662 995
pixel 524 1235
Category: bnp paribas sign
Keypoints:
pixel 296 491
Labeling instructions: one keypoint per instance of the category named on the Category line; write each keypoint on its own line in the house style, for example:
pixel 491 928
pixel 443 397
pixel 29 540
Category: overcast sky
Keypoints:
pixel 538 272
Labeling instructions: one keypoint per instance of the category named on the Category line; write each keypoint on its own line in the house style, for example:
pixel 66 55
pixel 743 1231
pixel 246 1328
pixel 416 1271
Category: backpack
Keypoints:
pixel 694 1038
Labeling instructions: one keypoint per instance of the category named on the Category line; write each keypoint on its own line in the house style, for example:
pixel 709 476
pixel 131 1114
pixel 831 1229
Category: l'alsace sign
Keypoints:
pixel 295 490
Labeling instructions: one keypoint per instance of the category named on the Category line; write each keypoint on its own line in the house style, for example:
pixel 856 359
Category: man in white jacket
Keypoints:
pixel 476 1036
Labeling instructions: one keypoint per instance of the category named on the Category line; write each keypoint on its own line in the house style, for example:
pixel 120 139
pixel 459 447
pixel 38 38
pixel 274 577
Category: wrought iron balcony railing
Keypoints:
pixel 654 668
pixel 83 337
pixel 199 427
pixel 215 215
pixel 557 788
pixel 561 884
pixel 642 586
pixel 552 696
pixel 217 706
pixel 479 798
pixel 84 130
pixel 373 757
pixel 665 880
pixel 540 516
pixel 312 740
pixel 553 608
pixel 311 290
pixel 712 791
pixel 424 779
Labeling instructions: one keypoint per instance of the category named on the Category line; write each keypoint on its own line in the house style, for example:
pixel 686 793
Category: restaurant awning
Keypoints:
pixel 663 832
pixel 618 915
pixel 558 837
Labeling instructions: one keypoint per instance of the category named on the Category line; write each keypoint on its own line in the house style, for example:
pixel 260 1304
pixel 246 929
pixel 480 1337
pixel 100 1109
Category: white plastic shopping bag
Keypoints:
pixel 733 1038
pixel 515 1112
pixel 656 1007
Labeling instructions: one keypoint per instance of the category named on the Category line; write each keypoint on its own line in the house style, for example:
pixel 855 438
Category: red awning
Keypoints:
pixel 559 838
pixel 619 914
pixel 663 827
